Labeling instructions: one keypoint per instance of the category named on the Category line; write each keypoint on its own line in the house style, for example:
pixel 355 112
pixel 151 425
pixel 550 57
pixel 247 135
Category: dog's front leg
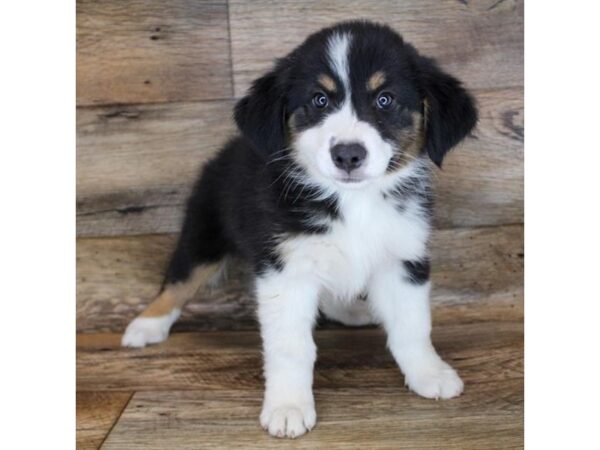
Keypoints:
pixel 400 298
pixel 287 309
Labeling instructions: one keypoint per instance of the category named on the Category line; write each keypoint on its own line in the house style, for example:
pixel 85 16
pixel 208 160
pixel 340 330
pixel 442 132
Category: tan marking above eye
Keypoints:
pixel 327 82
pixel 376 80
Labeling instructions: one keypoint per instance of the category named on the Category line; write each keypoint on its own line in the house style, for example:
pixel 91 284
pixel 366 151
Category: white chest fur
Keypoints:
pixel 371 232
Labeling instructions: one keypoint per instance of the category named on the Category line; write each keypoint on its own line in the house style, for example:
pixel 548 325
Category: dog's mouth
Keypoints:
pixel 353 180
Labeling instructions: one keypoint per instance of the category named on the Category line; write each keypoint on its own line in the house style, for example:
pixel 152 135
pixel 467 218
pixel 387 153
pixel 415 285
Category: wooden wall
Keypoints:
pixel 156 81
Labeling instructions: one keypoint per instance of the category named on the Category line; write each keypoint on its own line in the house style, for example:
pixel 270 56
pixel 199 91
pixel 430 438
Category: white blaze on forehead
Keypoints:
pixel 341 125
pixel 338 48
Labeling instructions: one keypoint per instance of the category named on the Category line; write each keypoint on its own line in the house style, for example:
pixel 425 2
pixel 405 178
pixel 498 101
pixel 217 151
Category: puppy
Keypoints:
pixel 326 193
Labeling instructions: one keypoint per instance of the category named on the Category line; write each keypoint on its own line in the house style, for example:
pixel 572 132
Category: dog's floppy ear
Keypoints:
pixel 450 112
pixel 260 114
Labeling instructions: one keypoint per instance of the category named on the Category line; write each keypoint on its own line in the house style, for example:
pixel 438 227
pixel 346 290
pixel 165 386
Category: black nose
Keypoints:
pixel 348 156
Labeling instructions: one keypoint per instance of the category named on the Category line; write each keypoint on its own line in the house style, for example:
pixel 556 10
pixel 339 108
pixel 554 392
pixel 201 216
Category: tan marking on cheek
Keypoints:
pixel 292 134
pixel 291 127
pixel 376 80
pixel 416 136
pixel 410 143
pixel 327 82
pixel 176 295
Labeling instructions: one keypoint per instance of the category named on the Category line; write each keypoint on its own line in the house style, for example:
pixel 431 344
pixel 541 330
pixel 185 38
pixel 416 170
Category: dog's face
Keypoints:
pixel 353 105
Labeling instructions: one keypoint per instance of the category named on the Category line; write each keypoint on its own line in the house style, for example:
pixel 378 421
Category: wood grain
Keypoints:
pixel 481 182
pixel 484 352
pixel 136 162
pixel 485 417
pixel 136 165
pixel 474 270
pixel 152 51
pixel 97 412
pixel 479 41
pixel 204 390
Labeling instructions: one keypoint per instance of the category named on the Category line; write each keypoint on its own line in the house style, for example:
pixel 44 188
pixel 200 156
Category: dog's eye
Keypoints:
pixel 385 100
pixel 320 100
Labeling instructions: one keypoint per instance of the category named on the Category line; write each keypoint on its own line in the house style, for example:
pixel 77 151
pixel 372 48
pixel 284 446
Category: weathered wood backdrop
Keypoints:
pixel 156 81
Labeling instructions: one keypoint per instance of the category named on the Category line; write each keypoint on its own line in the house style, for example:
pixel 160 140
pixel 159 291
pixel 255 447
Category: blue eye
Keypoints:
pixel 320 100
pixel 384 101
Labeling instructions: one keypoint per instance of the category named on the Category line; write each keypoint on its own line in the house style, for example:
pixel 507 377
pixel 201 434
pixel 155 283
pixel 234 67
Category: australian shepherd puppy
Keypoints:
pixel 326 193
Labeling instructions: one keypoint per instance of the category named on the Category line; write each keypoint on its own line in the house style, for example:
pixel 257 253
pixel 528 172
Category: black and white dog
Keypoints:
pixel 327 195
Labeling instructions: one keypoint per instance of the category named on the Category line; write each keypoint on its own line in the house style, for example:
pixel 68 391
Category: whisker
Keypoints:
pixel 290 178
pixel 281 158
pixel 285 171
pixel 280 151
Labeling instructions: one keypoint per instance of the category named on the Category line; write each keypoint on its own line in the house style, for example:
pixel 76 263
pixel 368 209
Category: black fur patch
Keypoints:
pixel 418 271
pixel 239 206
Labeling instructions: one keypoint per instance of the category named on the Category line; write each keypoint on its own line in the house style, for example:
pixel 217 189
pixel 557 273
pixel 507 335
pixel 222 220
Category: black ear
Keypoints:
pixel 450 112
pixel 260 114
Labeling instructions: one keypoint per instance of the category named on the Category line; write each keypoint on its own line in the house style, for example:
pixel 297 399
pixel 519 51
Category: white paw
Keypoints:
pixel 148 330
pixel 288 420
pixel 434 379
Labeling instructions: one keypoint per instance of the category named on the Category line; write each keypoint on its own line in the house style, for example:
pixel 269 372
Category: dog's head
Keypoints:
pixel 355 104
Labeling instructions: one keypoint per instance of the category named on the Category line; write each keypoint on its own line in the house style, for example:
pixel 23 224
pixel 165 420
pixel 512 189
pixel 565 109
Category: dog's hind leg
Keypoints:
pixel 197 260
pixel 153 324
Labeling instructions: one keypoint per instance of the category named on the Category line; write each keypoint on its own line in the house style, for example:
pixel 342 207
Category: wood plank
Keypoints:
pixel 152 51
pixel 204 390
pixel 489 415
pixel 481 42
pixel 484 352
pixel 136 165
pixel 97 412
pixel 481 182
pixel 474 271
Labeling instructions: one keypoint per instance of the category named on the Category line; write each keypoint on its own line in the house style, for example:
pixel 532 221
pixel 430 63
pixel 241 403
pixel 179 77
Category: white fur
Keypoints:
pixel 149 330
pixel 338 49
pixel 403 308
pixel 372 233
pixel 313 149
pixel 362 252
pixel 287 308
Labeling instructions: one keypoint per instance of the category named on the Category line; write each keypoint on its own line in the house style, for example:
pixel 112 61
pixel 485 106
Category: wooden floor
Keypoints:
pixel 203 390
pixel 156 83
